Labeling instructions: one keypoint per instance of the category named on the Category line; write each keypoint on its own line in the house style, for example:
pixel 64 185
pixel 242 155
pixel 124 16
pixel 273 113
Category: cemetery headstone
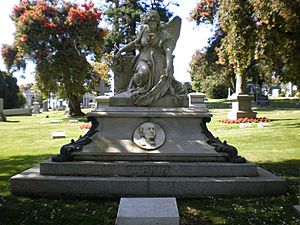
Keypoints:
pixel 262 100
pixel 45 105
pixel 36 108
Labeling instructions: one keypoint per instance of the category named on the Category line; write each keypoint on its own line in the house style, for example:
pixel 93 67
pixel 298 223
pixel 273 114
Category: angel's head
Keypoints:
pixel 152 18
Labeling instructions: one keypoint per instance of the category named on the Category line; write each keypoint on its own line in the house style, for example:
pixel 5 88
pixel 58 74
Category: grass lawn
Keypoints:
pixel 26 141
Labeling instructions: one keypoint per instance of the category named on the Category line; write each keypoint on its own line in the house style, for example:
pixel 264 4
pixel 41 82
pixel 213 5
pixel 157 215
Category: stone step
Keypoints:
pixel 31 182
pixel 149 169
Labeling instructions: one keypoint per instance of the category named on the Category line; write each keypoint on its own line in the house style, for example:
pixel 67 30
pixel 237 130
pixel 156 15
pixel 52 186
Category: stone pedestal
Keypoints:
pixel 2 117
pixel 113 159
pixel 241 107
pixel 102 101
pixel 196 101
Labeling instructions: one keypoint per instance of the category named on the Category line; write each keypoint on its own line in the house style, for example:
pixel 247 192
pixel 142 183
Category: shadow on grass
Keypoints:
pixel 289 170
pixel 271 210
pixel 27 211
pixel 11 166
pixel 11 121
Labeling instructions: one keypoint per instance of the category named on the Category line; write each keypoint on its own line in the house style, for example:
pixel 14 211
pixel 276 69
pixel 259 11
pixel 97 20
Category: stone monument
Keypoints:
pixel 45 106
pixel 241 102
pixel 2 117
pixel 150 139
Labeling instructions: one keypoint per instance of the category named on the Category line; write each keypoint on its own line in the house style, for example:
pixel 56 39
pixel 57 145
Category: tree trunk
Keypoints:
pixel 74 105
pixel 240 85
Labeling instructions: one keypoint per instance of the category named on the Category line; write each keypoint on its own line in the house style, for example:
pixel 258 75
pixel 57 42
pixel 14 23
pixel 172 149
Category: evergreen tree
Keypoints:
pixel 9 90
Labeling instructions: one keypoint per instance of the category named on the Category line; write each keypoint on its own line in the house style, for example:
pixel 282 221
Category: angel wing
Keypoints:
pixel 173 27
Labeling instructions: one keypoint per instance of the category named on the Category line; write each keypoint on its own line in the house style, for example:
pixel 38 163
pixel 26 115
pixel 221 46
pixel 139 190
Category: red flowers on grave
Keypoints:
pixel 86 126
pixel 246 120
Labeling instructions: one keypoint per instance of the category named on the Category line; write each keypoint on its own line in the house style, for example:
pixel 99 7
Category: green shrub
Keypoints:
pixel 214 87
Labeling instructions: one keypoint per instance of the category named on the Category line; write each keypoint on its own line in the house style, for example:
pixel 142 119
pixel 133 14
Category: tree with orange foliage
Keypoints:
pixel 58 37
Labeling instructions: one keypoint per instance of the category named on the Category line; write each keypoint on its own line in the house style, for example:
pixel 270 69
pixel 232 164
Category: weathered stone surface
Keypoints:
pixel 31 182
pixel 117 125
pixel 196 100
pixel 148 211
pixel 102 101
pixel 151 156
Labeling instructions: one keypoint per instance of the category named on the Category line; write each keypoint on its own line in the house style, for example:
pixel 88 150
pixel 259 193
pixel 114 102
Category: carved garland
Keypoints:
pixel 76 146
pixel 221 146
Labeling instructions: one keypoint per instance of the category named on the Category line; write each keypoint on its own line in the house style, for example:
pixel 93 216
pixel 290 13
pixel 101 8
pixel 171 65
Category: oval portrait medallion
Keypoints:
pixel 149 136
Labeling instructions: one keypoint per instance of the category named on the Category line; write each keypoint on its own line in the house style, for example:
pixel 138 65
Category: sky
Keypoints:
pixel 191 38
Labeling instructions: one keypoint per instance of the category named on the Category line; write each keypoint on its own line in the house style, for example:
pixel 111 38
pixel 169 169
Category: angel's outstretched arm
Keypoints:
pixel 129 47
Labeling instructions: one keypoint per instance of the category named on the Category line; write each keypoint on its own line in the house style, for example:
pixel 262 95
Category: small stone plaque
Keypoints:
pixel 245 125
pixel 148 211
pixel 73 121
pixel 263 125
pixel 58 134
pixel 149 136
pixel 55 121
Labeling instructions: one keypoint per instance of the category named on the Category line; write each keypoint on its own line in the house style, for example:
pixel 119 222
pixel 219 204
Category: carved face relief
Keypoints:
pixel 149 136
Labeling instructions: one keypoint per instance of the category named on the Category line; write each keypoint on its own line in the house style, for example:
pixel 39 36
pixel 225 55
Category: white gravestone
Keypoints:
pixel 58 134
pixel 148 211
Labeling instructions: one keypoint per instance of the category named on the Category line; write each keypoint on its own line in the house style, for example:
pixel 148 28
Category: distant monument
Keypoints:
pixel 150 139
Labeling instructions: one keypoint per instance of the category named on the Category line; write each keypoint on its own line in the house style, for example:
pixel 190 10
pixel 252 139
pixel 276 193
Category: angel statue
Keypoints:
pixel 152 68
